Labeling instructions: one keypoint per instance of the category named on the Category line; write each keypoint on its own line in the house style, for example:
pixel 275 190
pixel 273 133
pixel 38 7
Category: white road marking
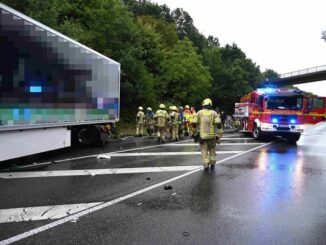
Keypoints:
pixel 93 172
pixel 43 212
pixel 126 150
pixel 191 144
pixel 110 203
pixel 185 153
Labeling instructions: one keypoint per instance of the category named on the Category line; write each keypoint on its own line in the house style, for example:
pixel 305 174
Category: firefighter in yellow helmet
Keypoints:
pixel 140 122
pixel 206 122
pixel 162 119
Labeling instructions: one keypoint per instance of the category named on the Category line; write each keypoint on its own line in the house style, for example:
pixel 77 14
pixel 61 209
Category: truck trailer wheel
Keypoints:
pixel 292 138
pixel 89 136
pixel 256 133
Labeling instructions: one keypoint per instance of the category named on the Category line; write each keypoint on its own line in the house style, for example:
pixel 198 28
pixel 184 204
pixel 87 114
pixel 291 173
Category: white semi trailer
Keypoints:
pixel 53 90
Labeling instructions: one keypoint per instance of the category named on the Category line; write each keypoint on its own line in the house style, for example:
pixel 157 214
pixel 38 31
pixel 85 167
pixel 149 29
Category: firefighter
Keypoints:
pixel 140 122
pixel 174 123
pixel 180 122
pixel 206 121
pixel 191 118
pixel 149 122
pixel 162 118
pixel 186 114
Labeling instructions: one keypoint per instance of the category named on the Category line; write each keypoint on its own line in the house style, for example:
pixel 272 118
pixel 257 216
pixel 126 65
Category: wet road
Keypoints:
pixel 143 193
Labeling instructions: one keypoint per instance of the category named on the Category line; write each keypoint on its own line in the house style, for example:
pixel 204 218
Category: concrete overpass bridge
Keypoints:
pixel 313 74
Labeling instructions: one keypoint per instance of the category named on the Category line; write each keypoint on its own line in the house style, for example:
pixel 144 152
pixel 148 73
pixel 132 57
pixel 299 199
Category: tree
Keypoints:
pixel 184 78
pixel 269 74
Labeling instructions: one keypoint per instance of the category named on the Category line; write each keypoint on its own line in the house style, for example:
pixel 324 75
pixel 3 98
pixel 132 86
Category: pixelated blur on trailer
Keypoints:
pixel 46 77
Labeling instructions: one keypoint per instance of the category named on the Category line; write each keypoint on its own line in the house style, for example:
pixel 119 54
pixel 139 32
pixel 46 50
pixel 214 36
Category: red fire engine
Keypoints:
pixel 281 112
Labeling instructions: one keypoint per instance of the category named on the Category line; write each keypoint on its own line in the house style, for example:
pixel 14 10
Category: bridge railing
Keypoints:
pixel 304 71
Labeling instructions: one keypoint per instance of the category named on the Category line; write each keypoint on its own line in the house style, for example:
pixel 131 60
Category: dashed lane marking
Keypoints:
pixel 42 212
pixel 139 154
pixel 110 203
pixel 94 172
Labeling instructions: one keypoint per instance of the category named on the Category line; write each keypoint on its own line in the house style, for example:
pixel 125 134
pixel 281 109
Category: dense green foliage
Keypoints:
pixel 163 56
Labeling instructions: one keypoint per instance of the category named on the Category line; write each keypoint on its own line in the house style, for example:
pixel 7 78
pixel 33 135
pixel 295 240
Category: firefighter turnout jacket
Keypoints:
pixel 162 118
pixel 207 121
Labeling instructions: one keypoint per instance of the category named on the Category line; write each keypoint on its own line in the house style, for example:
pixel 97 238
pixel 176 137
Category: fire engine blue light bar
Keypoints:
pixel 266 90
pixel 35 89
pixel 274 120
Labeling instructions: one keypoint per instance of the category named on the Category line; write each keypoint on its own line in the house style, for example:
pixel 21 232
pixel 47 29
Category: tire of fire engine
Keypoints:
pixel 256 133
pixel 293 138
pixel 89 136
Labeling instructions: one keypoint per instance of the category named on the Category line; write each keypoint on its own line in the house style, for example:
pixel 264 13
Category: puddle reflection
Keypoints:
pixel 282 179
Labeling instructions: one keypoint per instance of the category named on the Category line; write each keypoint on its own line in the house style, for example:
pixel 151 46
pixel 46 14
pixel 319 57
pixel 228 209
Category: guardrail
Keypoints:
pixel 304 71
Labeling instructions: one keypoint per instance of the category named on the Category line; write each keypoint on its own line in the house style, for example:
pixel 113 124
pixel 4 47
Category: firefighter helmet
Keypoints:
pixel 187 107
pixel 149 109
pixel 162 106
pixel 140 108
pixel 207 102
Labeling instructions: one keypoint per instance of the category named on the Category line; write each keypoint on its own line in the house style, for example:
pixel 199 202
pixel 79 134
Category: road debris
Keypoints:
pixel 102 156
pixel 186 233
pixel 168 187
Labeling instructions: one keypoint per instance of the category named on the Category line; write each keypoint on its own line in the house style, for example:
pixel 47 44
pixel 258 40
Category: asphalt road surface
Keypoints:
pixel 134 191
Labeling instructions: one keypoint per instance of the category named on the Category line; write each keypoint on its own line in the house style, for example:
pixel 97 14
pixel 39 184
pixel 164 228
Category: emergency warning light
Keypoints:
pixel 265 90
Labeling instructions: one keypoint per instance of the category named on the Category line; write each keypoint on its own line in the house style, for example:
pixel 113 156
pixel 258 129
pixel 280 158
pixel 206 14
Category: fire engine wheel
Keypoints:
pixel 256 133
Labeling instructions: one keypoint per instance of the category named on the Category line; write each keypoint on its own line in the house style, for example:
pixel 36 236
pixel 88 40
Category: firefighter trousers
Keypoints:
pixel 139 129
pixel 175 132
pixel 208 151
pixel 161 132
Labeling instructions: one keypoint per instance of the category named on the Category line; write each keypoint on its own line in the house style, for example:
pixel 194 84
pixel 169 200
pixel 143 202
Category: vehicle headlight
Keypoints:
pixel 266 126
pixel 301 127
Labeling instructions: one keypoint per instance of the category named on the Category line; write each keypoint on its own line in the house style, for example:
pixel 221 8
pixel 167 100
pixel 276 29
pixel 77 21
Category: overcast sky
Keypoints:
pixel 283 35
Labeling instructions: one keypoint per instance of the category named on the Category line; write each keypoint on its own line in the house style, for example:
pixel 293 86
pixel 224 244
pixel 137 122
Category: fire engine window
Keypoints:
pixel 316 103
pixel 299 103
pixel 257 101
pixel 284 103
